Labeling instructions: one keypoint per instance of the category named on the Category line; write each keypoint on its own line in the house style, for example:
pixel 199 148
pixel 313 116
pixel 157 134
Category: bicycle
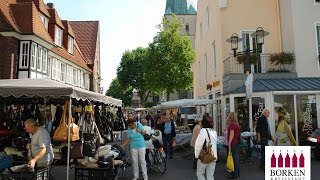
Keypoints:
pixel 157 153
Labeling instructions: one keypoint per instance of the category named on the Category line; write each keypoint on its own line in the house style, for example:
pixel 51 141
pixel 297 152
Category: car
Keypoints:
pixel 315 138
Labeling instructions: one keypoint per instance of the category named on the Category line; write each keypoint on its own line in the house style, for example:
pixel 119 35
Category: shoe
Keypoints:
pixel 170 157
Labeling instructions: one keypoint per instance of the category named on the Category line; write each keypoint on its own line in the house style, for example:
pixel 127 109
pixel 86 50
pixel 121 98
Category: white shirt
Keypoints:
pixel 204 136
pixel 149 131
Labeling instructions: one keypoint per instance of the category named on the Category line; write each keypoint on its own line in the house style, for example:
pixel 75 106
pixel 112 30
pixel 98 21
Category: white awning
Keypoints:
pixel 50 89
pixel 186 102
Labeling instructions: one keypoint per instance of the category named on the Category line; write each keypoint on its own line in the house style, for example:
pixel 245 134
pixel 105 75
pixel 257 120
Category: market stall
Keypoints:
pixel 14 92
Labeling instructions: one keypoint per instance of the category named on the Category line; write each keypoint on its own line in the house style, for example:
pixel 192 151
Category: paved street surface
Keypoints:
pixel 180 168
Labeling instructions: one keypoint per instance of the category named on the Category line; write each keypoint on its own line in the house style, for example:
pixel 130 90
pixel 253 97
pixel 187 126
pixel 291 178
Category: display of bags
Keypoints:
pixel 230 164
pixel 206 154
pixel 61 133
pixel 76 150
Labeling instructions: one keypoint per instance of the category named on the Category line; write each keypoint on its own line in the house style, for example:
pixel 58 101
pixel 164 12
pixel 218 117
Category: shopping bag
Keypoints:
pixel 230 164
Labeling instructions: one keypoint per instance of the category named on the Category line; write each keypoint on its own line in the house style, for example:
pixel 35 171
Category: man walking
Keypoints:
pixel 263 134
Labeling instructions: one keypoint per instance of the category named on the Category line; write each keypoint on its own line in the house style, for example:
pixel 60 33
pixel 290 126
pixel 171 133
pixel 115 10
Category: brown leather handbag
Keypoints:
pixel 61 133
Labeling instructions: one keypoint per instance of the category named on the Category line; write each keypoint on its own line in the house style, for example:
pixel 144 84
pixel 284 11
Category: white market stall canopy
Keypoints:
pixel 185 102
pixel 51 89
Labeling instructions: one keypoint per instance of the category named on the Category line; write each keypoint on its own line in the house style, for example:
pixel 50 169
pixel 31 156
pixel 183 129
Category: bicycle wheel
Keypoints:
pixel 162 165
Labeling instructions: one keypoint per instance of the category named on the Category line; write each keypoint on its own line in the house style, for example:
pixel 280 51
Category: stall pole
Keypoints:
pixel 69 118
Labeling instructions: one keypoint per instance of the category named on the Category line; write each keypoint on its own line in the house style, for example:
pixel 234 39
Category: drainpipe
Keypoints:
pixel 279 24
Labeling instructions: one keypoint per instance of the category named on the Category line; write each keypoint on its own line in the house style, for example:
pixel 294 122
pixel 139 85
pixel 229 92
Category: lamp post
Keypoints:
pixel 259 40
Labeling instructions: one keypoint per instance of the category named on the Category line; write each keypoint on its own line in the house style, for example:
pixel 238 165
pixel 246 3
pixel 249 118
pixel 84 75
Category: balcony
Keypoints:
pixel 263 66
pixel 235 76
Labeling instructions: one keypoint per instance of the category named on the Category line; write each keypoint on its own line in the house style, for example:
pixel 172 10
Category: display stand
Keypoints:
pixel 14 89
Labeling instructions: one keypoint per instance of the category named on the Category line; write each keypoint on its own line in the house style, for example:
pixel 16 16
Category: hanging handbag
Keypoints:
pixel 61 133
pixel 89 139
pixel 76 150
pixel 206 154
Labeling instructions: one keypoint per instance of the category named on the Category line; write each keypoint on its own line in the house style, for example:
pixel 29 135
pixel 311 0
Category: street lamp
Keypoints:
pixel 259 40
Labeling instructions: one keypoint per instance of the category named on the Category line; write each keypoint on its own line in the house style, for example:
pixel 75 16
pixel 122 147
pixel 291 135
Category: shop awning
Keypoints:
pixel 47 88
pixel 295 84
pixel 184 102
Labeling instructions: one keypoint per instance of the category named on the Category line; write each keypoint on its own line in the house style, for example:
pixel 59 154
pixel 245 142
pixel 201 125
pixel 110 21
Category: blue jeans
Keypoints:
pixel 236 161
pixel 167 143
pixel 263 143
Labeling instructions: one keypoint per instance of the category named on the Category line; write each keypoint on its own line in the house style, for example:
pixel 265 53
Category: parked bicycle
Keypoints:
pixel 157 154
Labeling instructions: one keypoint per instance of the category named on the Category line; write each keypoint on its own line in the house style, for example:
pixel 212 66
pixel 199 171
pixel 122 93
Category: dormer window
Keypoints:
pixel 44 20
pixel 58 36
pixel 70 44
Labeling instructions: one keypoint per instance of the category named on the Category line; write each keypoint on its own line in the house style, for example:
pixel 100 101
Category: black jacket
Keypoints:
pixel 173 129
pixel 262 128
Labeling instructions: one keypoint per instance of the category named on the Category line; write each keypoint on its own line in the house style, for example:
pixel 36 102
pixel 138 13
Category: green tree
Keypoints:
pixel 117 91
pixel 131 72
pixel 171 54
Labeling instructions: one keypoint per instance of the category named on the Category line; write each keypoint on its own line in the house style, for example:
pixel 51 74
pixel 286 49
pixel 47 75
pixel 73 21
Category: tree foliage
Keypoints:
pixel 131 72
pixel 117 91
pixel 170 57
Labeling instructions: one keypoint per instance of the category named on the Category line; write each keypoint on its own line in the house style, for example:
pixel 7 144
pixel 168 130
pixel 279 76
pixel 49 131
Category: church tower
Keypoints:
pixel 185 10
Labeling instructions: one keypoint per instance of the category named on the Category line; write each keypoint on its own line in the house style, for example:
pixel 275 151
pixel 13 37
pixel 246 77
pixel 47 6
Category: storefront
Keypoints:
pixel 300 97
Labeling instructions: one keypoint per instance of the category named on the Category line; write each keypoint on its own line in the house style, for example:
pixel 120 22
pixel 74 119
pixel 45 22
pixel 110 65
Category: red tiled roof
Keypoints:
pixel 39 4
pixel 6 14
pixel 68 28
pixel 27 12
pixel 76 58
pixel 55 19
pixel 86 34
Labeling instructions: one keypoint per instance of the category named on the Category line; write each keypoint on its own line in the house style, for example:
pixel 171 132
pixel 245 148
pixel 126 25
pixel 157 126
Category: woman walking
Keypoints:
pixel 138 147
pixel 207 134
pixel 233 143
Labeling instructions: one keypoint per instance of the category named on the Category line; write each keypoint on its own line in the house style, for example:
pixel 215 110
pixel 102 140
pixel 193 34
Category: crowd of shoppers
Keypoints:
pixel 203 132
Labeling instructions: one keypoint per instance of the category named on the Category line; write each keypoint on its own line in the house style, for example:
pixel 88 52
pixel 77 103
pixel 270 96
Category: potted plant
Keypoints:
pixel 252 59
pixel 282 58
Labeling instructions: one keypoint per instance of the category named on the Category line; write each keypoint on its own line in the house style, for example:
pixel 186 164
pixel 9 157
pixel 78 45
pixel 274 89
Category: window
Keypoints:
pixel 58 36
pixel 33 56
pixel 82 79
pixel 87 81
pixel 74 76
pixel 200 31
pixel 214 60
pixel 44 20
pixel 78 77
pixel 70 44
pixel 39 58
pixel 24 54
pixel 63 72
pixel 58 68
pixel 248 41
pixel 49 67
pixel 44 60
pixel 199 74
pixel 207 18
pixel 318 37
pixel 205 68
pixel 54 68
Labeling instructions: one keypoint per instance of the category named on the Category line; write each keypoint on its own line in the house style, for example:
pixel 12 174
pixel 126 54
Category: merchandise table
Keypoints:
pixel 183 140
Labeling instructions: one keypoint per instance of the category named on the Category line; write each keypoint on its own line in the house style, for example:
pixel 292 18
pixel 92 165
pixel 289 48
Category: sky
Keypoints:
pixel 124 25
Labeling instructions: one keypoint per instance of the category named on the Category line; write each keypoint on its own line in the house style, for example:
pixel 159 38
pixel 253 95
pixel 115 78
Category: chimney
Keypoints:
pixel 50 5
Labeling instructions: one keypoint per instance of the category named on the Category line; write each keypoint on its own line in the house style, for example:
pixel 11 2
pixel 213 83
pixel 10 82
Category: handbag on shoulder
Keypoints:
pixel 206 154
